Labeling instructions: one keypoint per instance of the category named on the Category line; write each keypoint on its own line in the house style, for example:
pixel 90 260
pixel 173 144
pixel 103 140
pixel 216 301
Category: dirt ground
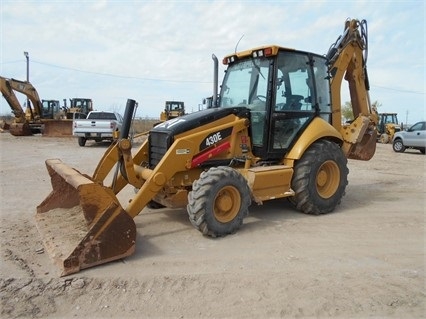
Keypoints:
pixel 367 259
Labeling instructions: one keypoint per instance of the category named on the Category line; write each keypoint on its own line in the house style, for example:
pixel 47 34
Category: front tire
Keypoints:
pixel 320 178
pixel 384 138
pixel 218 202
pixel 398 146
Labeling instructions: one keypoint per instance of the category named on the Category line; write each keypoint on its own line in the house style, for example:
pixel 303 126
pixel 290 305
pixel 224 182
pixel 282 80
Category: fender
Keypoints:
pixel 316 130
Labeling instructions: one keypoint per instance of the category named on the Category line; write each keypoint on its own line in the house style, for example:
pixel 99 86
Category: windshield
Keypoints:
pixel 50 107
pixel 245 83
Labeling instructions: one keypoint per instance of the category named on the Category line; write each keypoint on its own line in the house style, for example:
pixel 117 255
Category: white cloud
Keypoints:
pixel 152 51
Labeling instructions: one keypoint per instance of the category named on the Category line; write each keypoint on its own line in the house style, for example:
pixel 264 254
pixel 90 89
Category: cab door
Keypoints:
pixel 416 135
pixel 302 93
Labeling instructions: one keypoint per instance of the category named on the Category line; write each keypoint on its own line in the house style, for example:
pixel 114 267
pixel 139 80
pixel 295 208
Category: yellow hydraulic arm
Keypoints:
pixel 347 58
pixel 7 92
pixel 29 90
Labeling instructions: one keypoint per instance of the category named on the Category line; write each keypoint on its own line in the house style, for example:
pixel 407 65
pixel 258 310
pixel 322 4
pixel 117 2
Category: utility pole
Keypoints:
pixel 27 56
pixel 406 117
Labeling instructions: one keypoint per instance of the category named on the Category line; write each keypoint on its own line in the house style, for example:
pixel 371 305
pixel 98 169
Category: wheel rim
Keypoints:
pixel 227 203
pixel 328 179
pixel 398 145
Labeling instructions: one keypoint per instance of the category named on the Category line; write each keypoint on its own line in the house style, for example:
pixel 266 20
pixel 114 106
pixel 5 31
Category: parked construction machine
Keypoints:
pixel 79 108
pixel 25 123
pixel 276 132
pixel 172 109
pixel 51 109
pixel 387 127
pixel 41 116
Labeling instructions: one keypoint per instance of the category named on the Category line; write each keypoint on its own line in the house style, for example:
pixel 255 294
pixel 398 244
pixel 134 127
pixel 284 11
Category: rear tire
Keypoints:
pixel 81 141
pixel 320 178
pixel 219 201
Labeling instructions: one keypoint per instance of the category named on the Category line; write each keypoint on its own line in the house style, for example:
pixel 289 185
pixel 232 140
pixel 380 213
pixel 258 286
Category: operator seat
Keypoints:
pixel 293 102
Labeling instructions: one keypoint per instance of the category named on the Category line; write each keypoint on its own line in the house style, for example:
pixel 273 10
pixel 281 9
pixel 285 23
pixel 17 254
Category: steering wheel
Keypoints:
pixel 261 98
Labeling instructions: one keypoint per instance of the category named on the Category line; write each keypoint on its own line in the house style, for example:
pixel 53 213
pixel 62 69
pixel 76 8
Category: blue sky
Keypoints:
pixel 153 51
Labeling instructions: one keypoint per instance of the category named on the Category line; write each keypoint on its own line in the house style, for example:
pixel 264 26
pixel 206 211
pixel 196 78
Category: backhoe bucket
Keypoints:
pixel 20 129
pixel 81 222
pixel 364 150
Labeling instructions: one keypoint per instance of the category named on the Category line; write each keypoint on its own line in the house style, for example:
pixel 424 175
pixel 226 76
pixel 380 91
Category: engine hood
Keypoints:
pixel 189 121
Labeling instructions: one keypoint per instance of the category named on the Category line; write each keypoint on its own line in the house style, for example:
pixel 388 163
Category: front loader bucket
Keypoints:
pixel 57 128
pixel 81 222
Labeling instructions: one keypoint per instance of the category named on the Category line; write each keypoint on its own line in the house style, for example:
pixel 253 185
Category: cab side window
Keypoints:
pixel 323 89
pixel 294 83
pixel 294 101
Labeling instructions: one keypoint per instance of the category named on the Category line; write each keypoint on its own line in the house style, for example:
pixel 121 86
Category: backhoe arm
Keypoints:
pixel 347 58
pixel 28 90
pixel 12 100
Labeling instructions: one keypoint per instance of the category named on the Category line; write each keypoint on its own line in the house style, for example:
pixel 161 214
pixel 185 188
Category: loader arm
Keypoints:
pixel 173 165
pixel 347 59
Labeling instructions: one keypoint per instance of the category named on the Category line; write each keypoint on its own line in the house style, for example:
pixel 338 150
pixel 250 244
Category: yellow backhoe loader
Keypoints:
pixel 276 132
pixel 79 108
pixel 387 127
pixel 40 116
pixel 172 109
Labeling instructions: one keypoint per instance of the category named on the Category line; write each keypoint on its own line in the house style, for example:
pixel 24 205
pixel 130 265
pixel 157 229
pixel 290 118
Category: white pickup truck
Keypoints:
pixel 98 126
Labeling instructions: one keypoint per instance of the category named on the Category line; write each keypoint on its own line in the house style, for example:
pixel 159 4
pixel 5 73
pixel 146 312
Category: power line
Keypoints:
pixel 167 80
pixel 398 90
pixel 117 75
pixel 11 62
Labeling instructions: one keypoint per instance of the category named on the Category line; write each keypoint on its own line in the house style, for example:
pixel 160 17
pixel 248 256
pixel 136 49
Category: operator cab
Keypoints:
pixel 50 108
pixel 284 90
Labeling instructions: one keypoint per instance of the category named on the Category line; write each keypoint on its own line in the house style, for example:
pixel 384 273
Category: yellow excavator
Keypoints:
pixel 25 123
pixel 41 116
pixel 275 132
